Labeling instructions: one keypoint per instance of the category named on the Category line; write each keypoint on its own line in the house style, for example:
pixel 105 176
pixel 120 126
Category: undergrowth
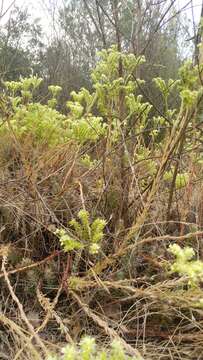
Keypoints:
pixel 101 215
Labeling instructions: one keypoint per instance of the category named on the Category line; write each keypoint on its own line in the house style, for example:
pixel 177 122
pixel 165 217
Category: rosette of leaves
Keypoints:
pixel 185 266
pixel 182 179
pixel 24 87
pixel 88 128
pixel 87 235
pixel 144 156
pixel 39 122
pixel 109 86
pixel 138 108
pixel 83 126
pixel 55 91
pixel 166 88
pixel 188 75
pixel 87 350
pixel 189 92
pixel 107 68
pixel 84 97
pixel 43 123
pixel 88 162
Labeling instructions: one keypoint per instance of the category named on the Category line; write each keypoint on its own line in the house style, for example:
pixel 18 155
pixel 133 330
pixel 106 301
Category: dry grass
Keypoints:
pixel 125 293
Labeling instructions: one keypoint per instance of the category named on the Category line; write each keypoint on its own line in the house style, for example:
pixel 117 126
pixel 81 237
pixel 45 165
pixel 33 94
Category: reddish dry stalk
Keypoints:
pixel 38 263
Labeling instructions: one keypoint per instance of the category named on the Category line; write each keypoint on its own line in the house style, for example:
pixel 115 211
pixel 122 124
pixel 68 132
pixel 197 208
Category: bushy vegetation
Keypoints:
pixel 101 210
pixel 99 189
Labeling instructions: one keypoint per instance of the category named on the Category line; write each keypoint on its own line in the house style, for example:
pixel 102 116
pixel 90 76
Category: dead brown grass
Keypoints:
pixel 126 291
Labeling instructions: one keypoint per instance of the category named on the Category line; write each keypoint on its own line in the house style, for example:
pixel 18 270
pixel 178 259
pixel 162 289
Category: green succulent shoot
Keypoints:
pixel 55 91
pixel 87 350
pixel 185 266
pixel 87 234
